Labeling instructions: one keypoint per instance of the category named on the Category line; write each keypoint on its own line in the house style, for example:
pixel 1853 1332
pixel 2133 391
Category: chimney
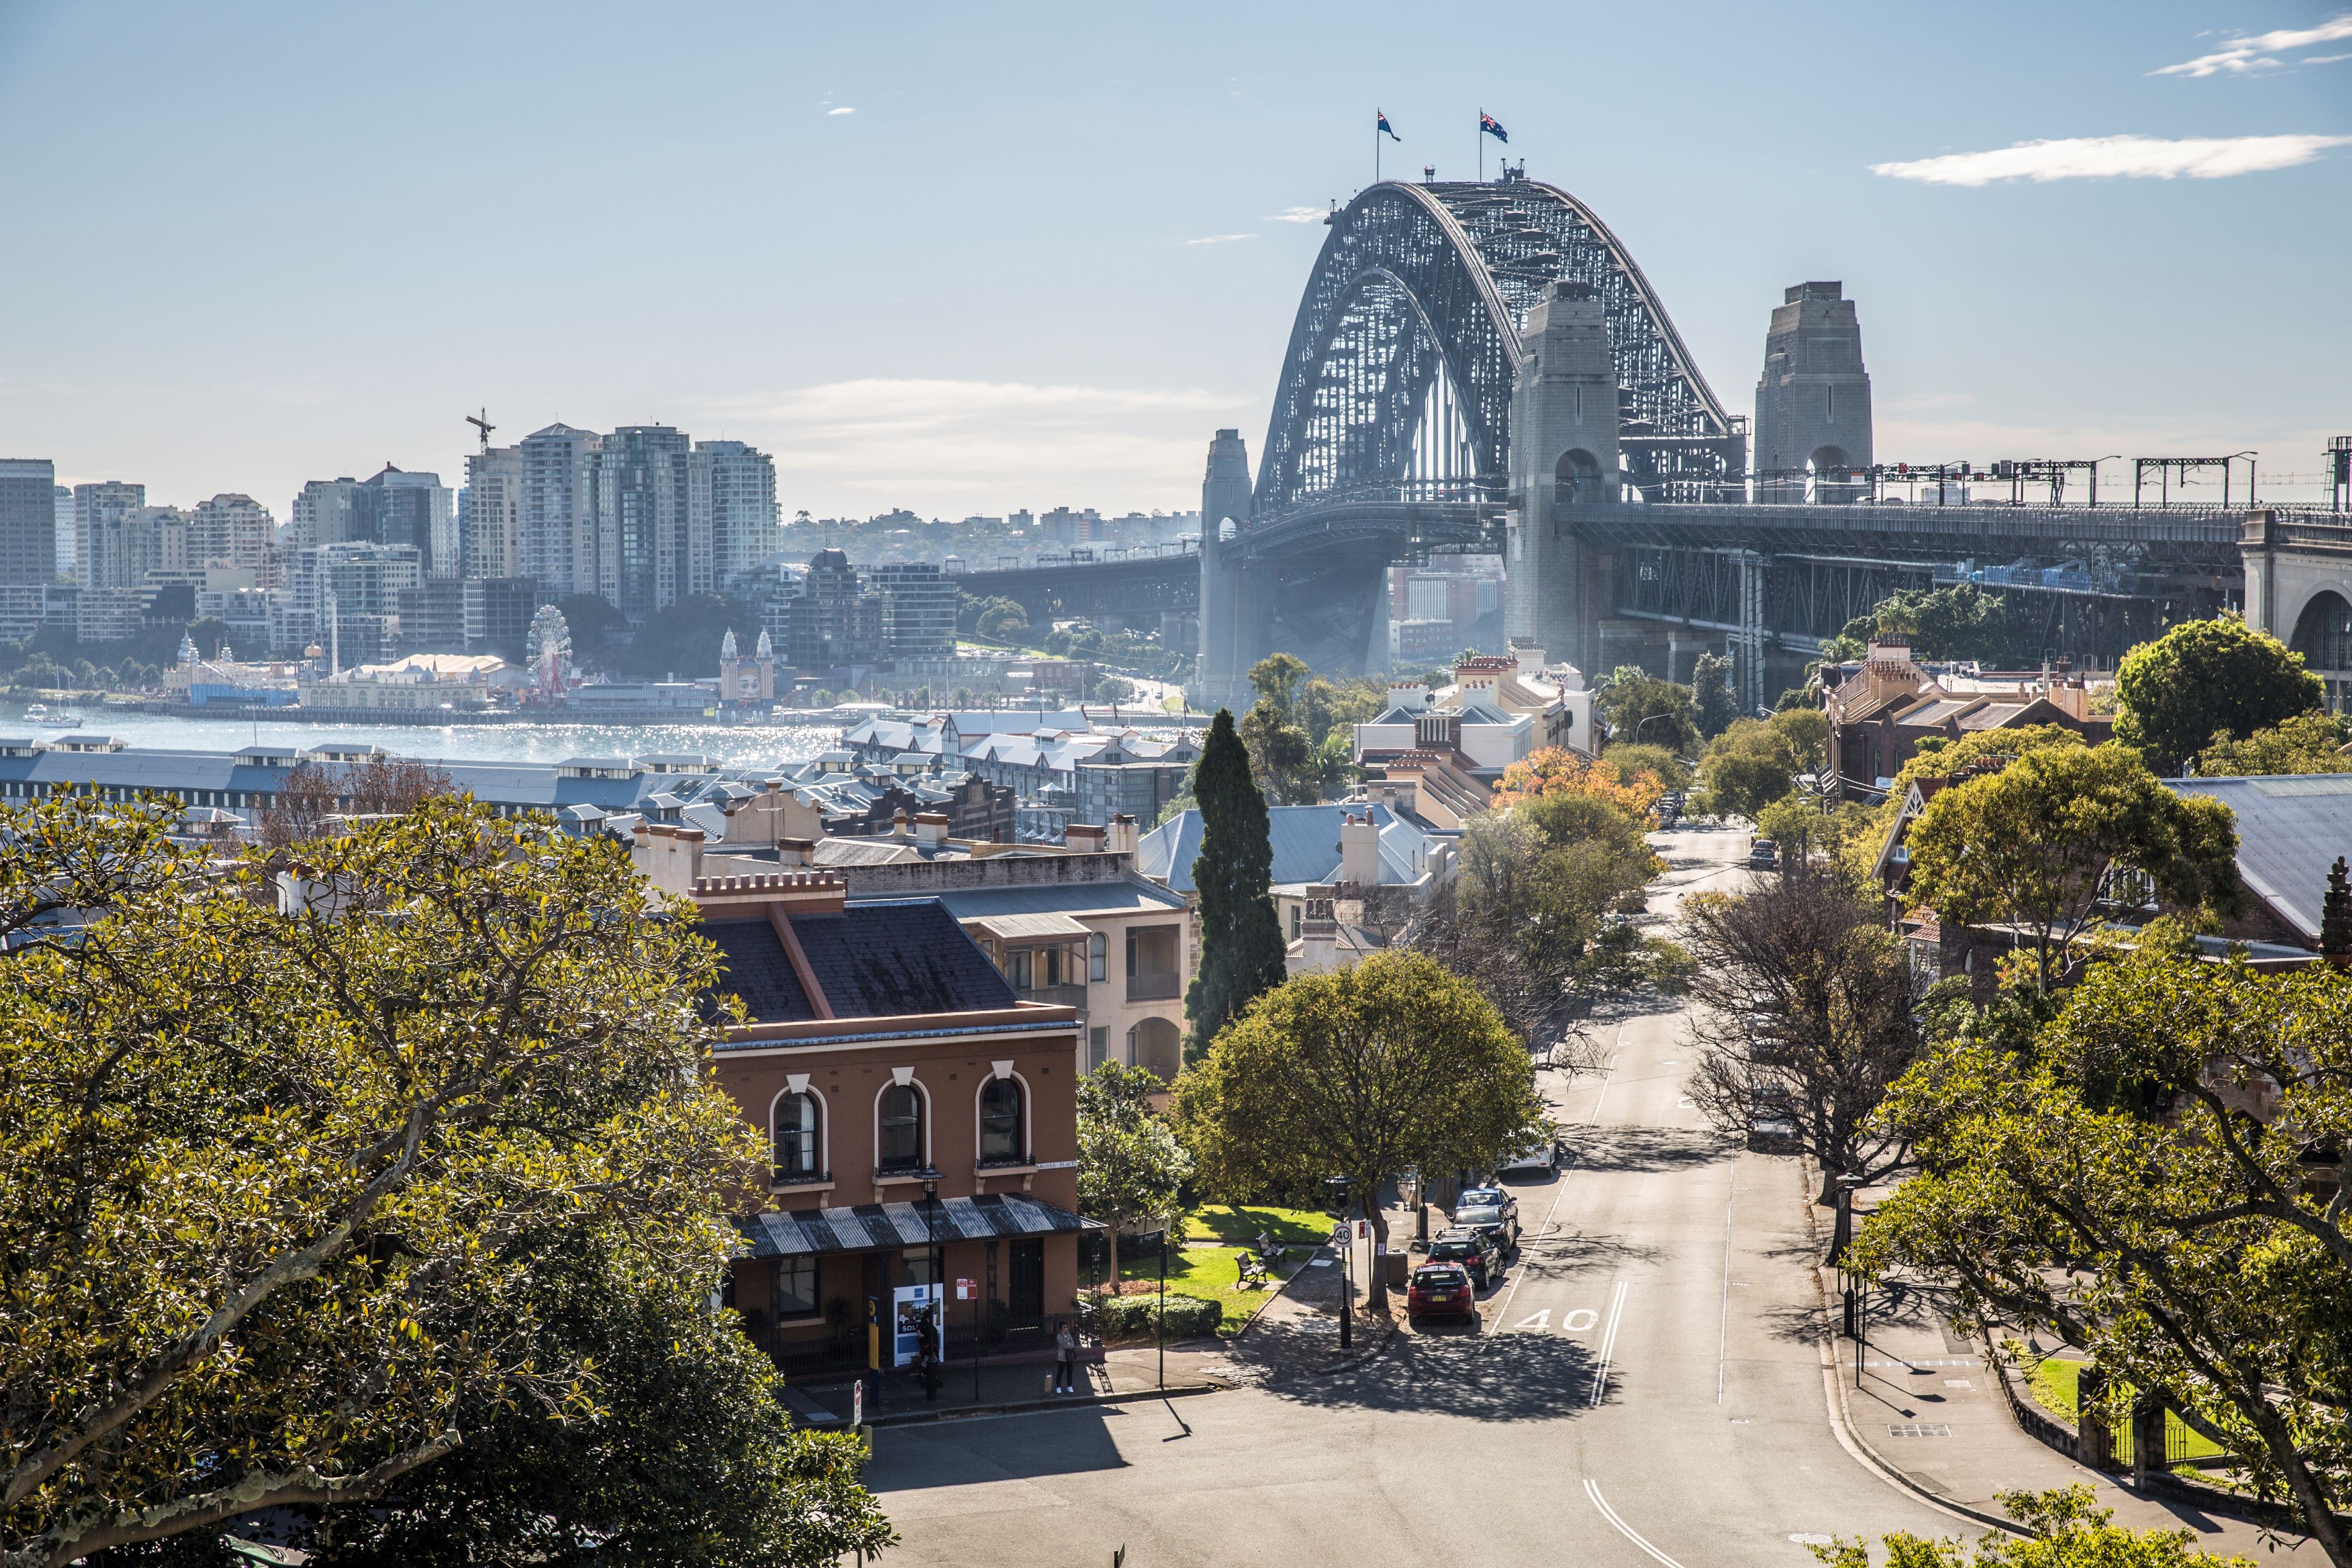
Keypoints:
pixel 668 857
pixel 1125 837
pixel 1083 838
pixel 796 852
pixel 2335 919
pixel 1531 661
pixel 1409 697
pixel 1318 934
pixel 1360 849
pixel 931 829
pixel 899 825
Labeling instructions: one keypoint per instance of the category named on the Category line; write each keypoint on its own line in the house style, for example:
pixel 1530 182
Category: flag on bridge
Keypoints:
pixel 1493 127
pixel 1381 116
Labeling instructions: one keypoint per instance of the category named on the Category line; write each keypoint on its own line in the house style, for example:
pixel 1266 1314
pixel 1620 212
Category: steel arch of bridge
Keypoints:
pixel 1414 307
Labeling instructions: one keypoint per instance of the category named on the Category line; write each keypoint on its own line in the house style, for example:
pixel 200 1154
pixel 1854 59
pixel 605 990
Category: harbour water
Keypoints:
pixel 741 745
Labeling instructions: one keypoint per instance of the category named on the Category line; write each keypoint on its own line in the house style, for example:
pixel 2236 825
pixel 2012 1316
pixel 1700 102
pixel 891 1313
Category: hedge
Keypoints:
pixel 1137 1317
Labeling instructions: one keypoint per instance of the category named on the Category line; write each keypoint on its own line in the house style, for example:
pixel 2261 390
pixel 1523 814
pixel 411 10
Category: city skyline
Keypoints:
pixel 810 234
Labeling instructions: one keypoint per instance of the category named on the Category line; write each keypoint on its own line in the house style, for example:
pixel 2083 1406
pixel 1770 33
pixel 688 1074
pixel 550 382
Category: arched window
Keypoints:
pixel 1577 477
pixel 796 1127
pixel 1000 1122
pixel 898 1131
pixel 1157 1047
pixel 2322 633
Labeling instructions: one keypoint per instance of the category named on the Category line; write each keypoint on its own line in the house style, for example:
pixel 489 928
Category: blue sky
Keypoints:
pixel 968 258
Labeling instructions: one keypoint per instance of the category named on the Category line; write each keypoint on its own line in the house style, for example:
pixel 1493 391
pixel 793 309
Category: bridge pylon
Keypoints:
pixel 1564 423
pixel 1236 608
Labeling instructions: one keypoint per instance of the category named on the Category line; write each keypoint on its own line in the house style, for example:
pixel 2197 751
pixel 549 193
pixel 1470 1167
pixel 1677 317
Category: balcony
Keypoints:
pixel 1154 988
pixel 1054 996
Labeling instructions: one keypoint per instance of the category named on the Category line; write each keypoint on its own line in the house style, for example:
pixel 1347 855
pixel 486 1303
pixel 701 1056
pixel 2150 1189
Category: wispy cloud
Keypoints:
pixel 844 109
pixel 958 446
pixel 1297 215
pixel 1217 239
pixel 2261 51
pixel 2111 157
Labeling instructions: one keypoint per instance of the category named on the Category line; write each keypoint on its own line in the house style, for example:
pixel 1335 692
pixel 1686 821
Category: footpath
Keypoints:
pixel 1930 1410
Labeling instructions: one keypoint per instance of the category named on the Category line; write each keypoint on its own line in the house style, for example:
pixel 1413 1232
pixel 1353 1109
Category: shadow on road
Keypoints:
pixel 1643 1149
pixel 1020 1448
pixel 1462 1371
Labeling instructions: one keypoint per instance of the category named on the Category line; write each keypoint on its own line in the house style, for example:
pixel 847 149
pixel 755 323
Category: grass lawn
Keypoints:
pixel 2053 1383
pixel 1211 1273
pixel 1231 1223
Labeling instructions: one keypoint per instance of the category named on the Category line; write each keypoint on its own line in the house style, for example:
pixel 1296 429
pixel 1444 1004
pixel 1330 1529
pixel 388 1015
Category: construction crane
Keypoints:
pixel 482 422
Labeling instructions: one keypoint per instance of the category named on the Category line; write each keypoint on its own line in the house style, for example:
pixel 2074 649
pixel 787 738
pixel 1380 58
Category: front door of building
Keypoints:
pixel 1025 1289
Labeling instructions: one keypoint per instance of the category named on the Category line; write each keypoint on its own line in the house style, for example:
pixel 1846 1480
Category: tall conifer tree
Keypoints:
pixel 1241 950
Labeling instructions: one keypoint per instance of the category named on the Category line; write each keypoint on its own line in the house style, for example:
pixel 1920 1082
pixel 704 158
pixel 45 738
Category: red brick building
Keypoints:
pixel 920 1121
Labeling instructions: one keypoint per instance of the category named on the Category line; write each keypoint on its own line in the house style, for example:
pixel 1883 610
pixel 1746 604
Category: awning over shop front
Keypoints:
pixel 874 1227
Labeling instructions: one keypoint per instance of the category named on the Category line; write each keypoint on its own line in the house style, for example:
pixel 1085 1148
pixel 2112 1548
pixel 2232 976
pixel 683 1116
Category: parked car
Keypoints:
pixel 1768 1039
pixel 1475 1250
pixel 1772 1126
pixel 1763 856
pixel 1540 1154
pixel 1440 1288
pixel 1491 1210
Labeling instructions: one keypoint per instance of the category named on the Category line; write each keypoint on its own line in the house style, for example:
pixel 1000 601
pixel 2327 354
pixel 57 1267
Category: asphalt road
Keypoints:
pixel 1639 1391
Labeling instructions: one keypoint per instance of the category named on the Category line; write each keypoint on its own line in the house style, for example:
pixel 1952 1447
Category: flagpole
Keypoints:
pixel 1481 146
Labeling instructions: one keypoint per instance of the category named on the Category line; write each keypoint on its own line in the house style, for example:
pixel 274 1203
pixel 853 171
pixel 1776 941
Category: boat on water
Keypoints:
pixel 56 719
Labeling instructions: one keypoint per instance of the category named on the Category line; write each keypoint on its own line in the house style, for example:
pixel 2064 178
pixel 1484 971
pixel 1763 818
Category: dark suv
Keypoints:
pixel 1491 1210
pixel 1473 1249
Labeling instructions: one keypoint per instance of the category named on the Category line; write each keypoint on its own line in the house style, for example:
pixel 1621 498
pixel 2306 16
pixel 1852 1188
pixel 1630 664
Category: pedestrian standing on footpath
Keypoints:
pixel 1066 1361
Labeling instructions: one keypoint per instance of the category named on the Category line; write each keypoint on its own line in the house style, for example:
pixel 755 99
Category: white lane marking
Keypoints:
pixel 1569 1325
pixel 1559 1188
pixel 1723 1321
pixel 1608 1345
pixel 1593 1491
pixel 1533 1321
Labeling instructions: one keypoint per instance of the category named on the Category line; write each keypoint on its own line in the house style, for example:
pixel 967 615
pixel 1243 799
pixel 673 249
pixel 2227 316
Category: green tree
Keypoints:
pixel 1282 759
pixel 2206 682
pixel 973 613
pixel 2310 743
pixel 1711 692
pixel 1746 768
pixel 1387 1065
pixel 2069 1531
pixel 277 1186
pixel 2060 837
pixel 1958 622
pixel 1131 1165
pixel 1002 620
pixel 2136 1181
pixel 1241 949
pixel 1793 823
pixel 692 1460
pixel 1639 708
pixel 1277 678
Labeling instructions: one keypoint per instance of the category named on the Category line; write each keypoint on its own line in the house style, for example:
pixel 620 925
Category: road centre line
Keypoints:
pixel 1723 1319
pixel 1608 1346
pixel 1593 1491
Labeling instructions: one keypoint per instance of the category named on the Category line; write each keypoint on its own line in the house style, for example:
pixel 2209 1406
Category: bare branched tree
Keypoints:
pixel 314 793
pixel 1807 1010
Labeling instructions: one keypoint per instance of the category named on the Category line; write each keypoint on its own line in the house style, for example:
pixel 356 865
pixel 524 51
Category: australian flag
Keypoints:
pixel 1381 116
pixel 1491 126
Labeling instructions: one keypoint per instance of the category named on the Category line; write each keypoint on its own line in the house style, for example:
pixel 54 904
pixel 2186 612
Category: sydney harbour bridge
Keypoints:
pixel 1482 366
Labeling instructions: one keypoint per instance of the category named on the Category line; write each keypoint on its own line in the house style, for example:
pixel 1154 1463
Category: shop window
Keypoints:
pixel 795 1287
pixel 1000 1122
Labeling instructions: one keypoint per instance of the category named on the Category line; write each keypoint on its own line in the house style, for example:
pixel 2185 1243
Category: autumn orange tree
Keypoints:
pixel 1556 771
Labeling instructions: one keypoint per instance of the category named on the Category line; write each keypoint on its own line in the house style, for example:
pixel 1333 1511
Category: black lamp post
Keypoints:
pixel 1339 1185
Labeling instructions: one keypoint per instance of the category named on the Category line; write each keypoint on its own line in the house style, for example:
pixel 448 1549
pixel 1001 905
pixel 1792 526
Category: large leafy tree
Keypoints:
pixel 1805 1007
pixel 1746 768
pixel 2205 681
pixel 2310 743
pixel 1640 707
pixel 1387 1065
pixel 2153 1178
pixel 2053 841
pixel 690 1459
pixel 1711 692
pixel 1241 949
pixel 277 1186
pixel 1130 1166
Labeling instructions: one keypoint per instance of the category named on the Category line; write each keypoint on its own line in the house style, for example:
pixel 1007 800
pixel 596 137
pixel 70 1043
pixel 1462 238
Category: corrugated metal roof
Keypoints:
pixel 2291 829
pixel 1015 928
pixel 1055 898
pixel 868 1227
pixel 1305 839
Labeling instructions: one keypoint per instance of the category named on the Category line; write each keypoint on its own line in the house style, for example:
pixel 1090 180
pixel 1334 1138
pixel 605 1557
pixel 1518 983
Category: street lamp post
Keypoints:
pixel 1339 1185
pixel 939 1298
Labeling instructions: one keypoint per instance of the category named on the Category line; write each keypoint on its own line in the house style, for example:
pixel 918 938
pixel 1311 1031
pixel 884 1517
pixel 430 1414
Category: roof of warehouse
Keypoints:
pixel 2290 829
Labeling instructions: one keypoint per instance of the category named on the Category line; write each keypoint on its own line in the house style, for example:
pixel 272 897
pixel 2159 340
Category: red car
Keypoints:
pixel 1440 1288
